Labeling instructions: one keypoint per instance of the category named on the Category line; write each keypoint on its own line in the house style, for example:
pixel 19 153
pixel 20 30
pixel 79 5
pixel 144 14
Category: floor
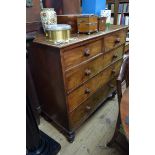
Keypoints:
pixel 92 137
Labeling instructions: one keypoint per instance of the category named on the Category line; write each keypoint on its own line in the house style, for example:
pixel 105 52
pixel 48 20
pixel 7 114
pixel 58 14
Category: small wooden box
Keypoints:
pixel 101 23
pixel 87 24
pixel 70 19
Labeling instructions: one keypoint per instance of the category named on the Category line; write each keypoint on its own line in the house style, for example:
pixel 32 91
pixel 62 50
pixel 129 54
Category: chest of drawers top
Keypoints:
pixel 79 38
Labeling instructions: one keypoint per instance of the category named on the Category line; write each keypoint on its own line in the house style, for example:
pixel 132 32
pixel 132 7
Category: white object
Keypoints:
pixel 119 19
pixel 127 20
pixel 106 13
pixel 112 20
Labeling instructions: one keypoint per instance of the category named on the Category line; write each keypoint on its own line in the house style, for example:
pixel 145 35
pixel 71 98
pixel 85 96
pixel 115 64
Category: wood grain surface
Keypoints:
pixel 80 38
pixel 68 76
pixel 114 40
pixel 82 53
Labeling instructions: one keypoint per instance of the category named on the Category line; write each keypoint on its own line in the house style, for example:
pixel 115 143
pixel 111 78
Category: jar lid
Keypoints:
pixel 58 27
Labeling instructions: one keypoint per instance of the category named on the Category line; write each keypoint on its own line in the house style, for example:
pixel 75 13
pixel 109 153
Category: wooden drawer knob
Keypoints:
pixel 115 56
pixel 87 72
pixel 88 108
pixel 87 52
pixel 87 91
pixel 117 41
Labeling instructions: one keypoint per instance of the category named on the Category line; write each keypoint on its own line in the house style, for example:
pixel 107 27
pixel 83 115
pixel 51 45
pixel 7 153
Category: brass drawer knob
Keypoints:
pixel 87 72
pixel 117 41
pixel 87 52
pixel 88 108
pixel 87 91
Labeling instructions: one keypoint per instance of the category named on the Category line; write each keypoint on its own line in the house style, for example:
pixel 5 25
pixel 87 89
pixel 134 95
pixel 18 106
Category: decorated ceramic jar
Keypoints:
pixel 48 17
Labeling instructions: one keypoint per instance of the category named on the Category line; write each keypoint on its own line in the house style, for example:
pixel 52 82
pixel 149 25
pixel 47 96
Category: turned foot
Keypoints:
pixel 71 137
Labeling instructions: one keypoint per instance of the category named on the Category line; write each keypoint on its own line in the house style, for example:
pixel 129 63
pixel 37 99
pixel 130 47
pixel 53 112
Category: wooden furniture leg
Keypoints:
pixel 71 137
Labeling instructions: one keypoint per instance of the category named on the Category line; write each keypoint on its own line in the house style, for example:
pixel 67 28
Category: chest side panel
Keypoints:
pixel 45 62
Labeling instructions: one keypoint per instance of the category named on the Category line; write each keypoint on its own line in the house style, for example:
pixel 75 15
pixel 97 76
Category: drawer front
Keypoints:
pixel 78 75
pixel 114 40
pixel 81 113
pixel 86 90
pixel 113 55
pixel 77 55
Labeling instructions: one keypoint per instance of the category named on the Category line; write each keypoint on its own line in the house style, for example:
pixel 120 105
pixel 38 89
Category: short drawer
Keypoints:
pixel 81 113
pixel 77 55
pixel 79 95
pixel 114 40
pixel 113 55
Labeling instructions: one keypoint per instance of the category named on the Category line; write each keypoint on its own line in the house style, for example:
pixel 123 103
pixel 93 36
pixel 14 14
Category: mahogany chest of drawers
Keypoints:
pixel 73 79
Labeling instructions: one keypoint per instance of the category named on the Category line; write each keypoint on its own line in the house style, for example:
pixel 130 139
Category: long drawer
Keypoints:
pixel 80 54
pixel 115 39
pixel 85 109
pixel 80 74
